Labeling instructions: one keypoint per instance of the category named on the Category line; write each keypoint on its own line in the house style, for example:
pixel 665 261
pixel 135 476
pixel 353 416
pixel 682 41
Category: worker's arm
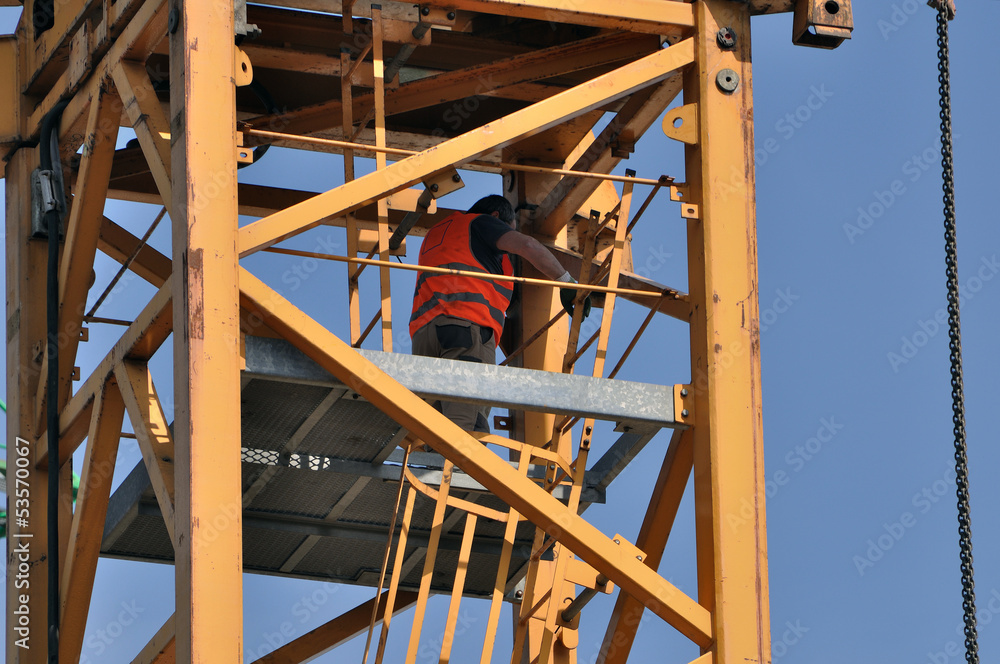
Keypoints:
pixel 535 253
pixel 532 251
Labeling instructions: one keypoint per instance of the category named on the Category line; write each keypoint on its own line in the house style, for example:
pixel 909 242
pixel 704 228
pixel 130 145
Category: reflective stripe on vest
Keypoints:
pixel 480 301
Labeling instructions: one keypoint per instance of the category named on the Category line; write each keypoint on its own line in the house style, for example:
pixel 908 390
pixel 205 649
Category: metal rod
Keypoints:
pixel 581 600
pixel 608 217
pixel 108 321
pixel 583 349
pixel 330 142
pixel 635 339
pixel 371 326
pixel 357 275
pixel 664 180
pixel 534 337
pixel 388 550
pixel 357 63
pixel 464 273
pixel 128 261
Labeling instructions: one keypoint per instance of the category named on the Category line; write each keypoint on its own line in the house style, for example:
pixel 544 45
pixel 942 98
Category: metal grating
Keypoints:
pixel 352 429
pixel 273 410
pixel 299 492
pixel 323 491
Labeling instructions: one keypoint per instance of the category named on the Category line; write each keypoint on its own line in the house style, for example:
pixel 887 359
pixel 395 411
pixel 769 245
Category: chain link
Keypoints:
pixel 955 344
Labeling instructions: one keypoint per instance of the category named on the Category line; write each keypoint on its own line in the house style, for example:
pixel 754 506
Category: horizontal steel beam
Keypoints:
pixel 501 387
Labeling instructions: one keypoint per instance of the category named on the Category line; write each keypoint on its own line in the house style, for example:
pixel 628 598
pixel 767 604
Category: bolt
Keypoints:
pixel 552 466
pixel 726 38
pixel 456 178
pixel 684 392
pixel 589 429
pixel 728 81
pixel 425 11
pixel 638 558
pixel 434 188
pixel 684 413
pixel 618 541
pixel 518 594
pixel 451 16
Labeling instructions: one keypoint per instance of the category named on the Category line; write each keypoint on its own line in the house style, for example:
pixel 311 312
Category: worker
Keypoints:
pixel 461 318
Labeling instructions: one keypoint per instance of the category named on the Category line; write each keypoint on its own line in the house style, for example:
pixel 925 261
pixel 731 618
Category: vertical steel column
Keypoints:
pixel 208 525
pixel 27 541
pixel 725 357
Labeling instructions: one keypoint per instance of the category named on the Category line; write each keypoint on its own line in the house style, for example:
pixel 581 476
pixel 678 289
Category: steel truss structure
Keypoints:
pixel 515 87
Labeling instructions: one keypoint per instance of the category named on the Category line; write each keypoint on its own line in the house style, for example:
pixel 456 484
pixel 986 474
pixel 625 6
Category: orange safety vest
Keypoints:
pixel 482 302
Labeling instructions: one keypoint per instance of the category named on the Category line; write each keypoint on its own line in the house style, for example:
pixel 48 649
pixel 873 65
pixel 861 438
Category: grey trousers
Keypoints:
pixel 458 339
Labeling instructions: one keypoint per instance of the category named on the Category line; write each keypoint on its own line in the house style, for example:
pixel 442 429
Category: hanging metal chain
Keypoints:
pixel 955 343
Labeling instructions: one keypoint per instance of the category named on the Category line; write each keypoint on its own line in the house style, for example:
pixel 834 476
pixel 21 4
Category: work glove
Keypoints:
pixel 568 295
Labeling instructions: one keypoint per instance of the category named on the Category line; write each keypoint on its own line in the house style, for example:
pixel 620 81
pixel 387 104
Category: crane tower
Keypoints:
pixel 300 452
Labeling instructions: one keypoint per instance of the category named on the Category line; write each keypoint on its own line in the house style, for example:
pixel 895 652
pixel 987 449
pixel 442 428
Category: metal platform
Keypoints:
pixel 321 467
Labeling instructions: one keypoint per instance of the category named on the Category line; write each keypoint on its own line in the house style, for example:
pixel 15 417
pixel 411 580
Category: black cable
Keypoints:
pixel 955 343
pixel 49 160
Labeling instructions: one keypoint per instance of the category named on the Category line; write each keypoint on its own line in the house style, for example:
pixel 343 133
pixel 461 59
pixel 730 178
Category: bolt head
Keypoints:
pixel 684 392
pixel 726 38
pixel 684 413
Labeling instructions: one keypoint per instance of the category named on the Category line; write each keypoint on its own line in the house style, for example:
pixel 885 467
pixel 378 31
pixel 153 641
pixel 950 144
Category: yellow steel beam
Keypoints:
pixel 340 630
pixel 119 244
pixel 427 424
pixel 146 334
pixel 27 539
pixel 138 38
pixel 638 114
pixel 529 121
pixel 725 350
pixel 150 125
pixel 653 16
pixel 382 205
pixel 82 229
pixel 161 648
pixel 152 432
pixel 69 17
pixel 208 516
pixel 653 534
pixel 98 470
pixel 527 67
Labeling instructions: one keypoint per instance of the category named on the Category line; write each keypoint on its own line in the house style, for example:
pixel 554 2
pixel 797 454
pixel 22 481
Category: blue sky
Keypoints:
pixel 862 540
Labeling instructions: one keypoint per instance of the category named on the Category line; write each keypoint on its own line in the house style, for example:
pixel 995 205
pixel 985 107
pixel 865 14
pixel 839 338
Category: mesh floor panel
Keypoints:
pixel 321 498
